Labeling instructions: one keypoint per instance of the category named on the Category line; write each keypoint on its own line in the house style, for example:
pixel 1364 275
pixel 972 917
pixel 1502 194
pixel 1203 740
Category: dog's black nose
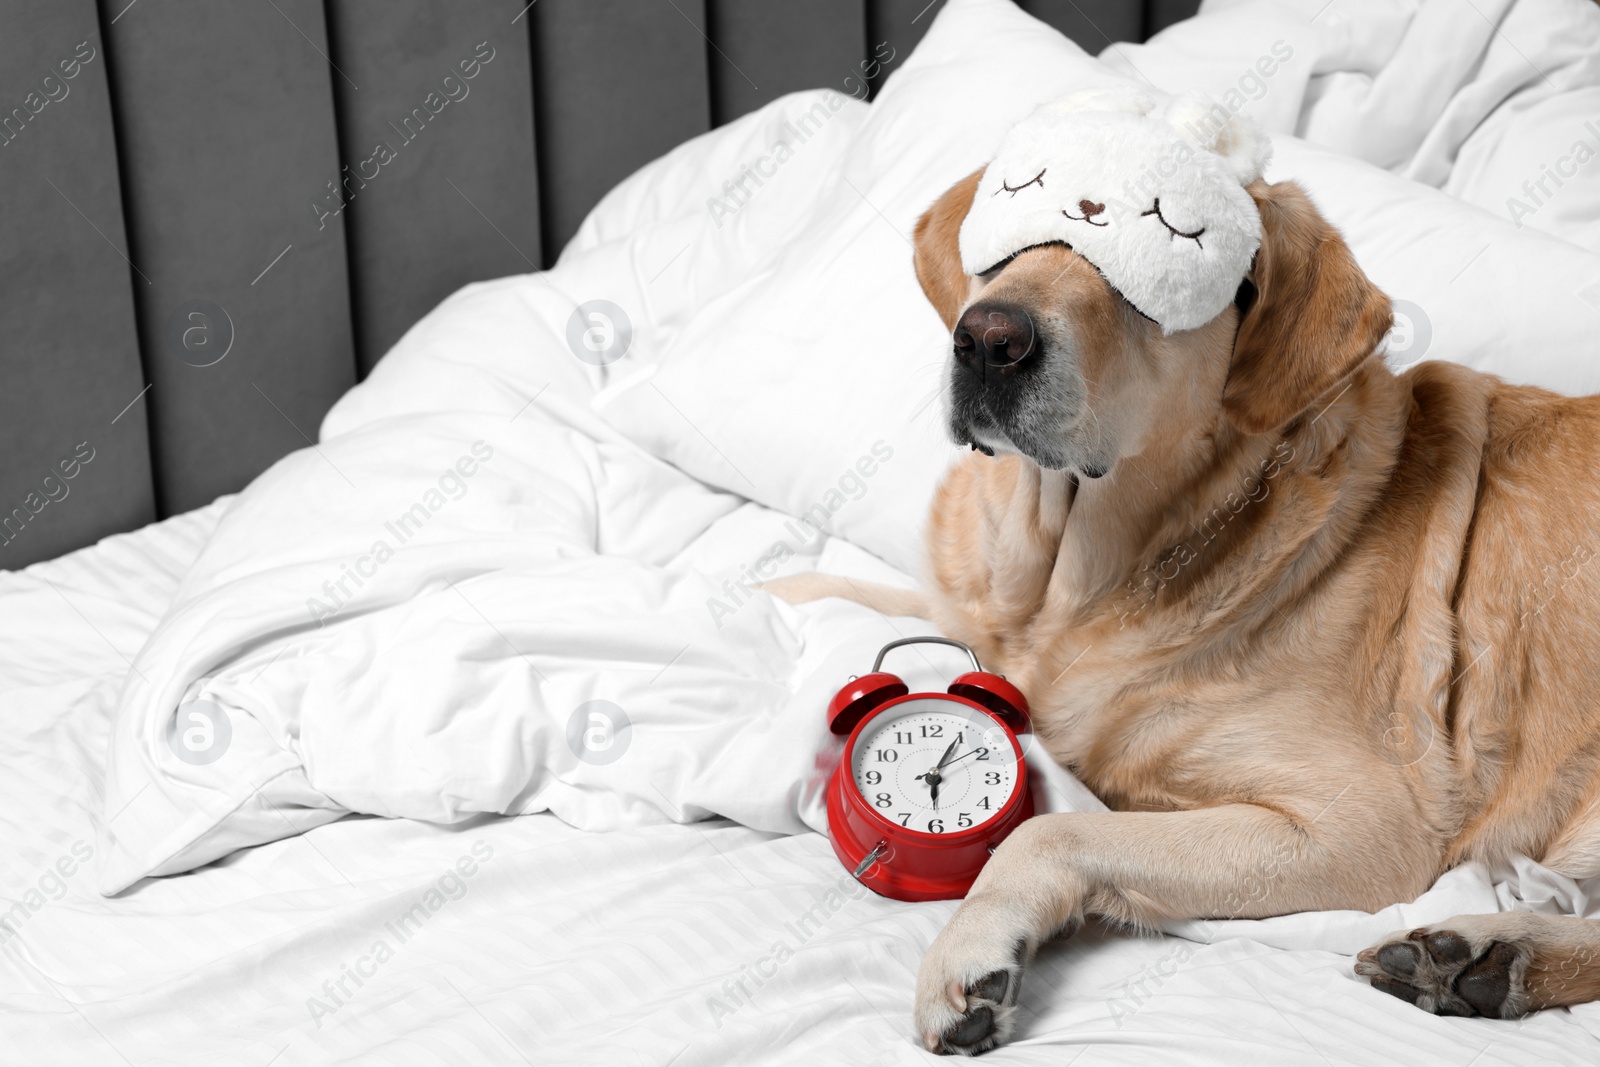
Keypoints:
pixel 994 338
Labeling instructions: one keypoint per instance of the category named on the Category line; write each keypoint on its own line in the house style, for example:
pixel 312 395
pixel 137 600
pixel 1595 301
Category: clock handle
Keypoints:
pixel 929 640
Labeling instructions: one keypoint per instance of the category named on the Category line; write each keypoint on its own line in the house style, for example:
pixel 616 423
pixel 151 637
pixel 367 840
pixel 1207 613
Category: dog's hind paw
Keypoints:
pixel 1450 971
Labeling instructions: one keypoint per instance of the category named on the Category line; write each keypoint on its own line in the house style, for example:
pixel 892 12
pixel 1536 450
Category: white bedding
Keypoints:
pixel 563 946
pixel 584 534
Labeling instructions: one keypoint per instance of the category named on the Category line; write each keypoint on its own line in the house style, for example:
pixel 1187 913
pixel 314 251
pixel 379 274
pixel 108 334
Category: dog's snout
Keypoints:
pixel 996 337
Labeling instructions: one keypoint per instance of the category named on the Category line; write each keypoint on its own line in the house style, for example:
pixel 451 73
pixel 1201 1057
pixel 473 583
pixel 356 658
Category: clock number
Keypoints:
pixel 873 777
pixel 902 737
pixel 984 803
pixel 983 753
pixel 964 819
pixel 991 777
pixel 935 826
pixel 904 817
pixel 936 730
pixel 887 755
pixel 885 800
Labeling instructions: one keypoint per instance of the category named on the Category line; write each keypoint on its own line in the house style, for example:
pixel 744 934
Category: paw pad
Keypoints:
pixel 1399 959
pixel 991 986
pixel 974 1027
pixel 1486 984
pixel 1448 947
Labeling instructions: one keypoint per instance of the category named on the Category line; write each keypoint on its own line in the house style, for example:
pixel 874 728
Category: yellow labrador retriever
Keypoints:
pixel 1315 632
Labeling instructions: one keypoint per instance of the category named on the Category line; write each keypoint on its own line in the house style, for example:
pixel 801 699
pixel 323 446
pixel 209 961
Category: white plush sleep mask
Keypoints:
pixel 1151 192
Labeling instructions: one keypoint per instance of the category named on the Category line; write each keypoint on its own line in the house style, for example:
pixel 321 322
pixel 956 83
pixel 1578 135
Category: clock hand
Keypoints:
pixel 958 759
pixel 931 776
pixel 932 773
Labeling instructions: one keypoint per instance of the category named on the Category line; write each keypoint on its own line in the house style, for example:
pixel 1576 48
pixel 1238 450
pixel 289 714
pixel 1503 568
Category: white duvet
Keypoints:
pixel 513 577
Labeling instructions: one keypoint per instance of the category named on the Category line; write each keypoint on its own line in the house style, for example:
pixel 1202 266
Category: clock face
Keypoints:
pixel 896 760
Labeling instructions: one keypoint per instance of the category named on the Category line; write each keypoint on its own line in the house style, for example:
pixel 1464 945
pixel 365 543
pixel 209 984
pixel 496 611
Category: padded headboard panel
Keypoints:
pixel 219 216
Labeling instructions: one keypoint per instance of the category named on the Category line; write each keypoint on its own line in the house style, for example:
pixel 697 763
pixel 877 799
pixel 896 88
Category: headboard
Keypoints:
pixel 218 216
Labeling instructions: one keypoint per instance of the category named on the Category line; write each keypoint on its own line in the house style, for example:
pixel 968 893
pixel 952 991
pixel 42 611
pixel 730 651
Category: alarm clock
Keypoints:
pixel 929 783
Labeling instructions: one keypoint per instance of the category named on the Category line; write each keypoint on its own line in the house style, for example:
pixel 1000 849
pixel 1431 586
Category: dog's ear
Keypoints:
pixel 1313 319
pixel 938 249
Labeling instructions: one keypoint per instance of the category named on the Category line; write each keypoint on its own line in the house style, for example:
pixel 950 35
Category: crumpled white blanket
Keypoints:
pixel 421 617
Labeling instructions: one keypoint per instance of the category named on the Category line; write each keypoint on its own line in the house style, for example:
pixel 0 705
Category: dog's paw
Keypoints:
pixel 969 1008
pixel 1450 969
pixel 970 980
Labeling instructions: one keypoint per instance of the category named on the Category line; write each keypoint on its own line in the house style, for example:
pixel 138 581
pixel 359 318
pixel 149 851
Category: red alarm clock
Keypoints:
pixel 930 783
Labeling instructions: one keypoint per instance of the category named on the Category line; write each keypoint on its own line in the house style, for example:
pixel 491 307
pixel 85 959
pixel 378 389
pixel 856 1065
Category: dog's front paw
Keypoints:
pixel 969 983
pixel 1450 970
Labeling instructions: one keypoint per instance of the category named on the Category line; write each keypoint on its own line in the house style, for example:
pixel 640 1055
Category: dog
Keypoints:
pixel 1315 631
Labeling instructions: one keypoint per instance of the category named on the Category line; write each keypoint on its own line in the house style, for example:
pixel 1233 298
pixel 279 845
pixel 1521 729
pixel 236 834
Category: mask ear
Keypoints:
pixel 1314 319
pixel 938 249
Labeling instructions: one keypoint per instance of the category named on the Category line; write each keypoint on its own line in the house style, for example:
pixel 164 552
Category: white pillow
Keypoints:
pixel 814 386
pixel 1468 286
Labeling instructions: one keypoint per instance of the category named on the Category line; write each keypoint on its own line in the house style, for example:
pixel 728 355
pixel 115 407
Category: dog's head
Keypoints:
pixel 1050 361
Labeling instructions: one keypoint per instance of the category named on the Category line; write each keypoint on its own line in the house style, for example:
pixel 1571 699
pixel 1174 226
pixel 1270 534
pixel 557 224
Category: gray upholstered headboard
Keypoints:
pixel 218 214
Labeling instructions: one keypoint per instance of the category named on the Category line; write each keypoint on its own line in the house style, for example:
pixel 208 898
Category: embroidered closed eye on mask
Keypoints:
pixel 1152 192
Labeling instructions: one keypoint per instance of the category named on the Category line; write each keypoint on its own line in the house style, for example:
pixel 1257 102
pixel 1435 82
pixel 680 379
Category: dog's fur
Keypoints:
pixel 1314 631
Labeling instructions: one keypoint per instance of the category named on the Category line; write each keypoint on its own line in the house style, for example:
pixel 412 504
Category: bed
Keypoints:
pixel 305 775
